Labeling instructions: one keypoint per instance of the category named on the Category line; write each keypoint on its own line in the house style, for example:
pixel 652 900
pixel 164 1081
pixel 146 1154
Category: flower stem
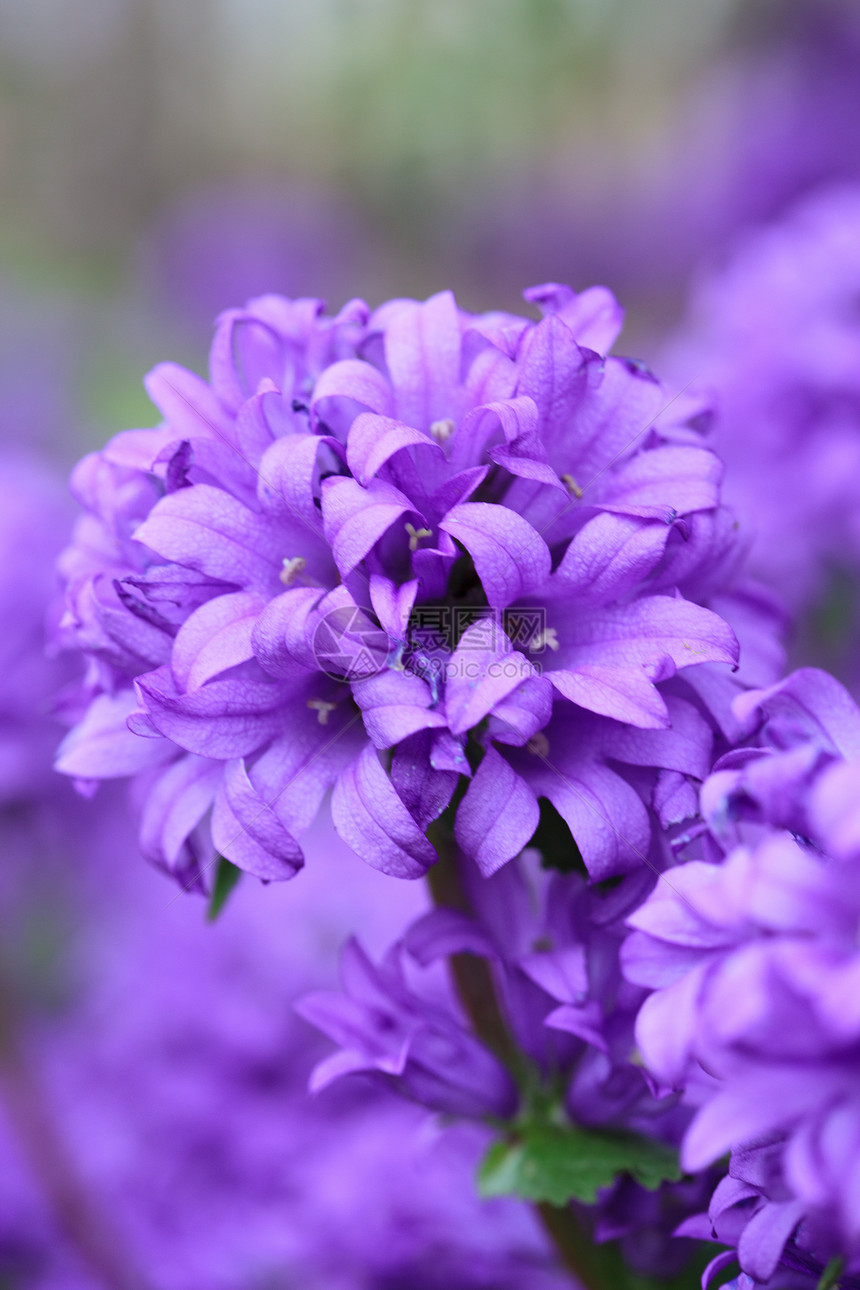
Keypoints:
pixel 831 1274
pixel 472 975
pixel 473 980
pixel 101 1250
pixel 573 1244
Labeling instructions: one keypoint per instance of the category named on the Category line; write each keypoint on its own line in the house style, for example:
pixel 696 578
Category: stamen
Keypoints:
pixel 415 535
pixel 322 709
pixel 571 485
pixel 442 430
pixel 539 744
pixel 547 639
pixel 292 568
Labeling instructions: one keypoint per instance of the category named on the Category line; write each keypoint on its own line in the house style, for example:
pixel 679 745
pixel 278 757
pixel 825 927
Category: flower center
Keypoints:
pixel 322 707
pixel 415 535
pixel 442 430
pixel 293 566
pixel 546 639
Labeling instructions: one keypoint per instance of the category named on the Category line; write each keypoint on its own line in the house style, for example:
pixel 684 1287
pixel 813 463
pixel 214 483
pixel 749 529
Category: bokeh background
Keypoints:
pixel 161 160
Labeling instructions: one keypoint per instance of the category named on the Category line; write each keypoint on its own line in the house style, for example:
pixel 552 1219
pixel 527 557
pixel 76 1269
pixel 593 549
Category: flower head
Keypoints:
pixel 382 553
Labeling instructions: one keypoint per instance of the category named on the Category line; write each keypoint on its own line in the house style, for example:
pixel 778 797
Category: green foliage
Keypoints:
pixel 226 877
pixel 560 1163
pixel 555 842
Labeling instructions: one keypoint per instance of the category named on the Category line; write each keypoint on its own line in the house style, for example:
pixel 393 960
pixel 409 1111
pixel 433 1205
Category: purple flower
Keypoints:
pixel 376 553
pixel 551 942
pixel 753 965
pixel 175 1075
pixel 775 334
pixel 408 1039
pixel 32 525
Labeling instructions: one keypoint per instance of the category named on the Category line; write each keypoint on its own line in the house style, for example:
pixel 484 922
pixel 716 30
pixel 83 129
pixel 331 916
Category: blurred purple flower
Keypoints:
pixel 753 964
pixel 776 333
pixel 231 241
pixel 551 942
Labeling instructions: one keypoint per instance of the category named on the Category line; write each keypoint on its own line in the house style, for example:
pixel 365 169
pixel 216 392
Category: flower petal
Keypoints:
pixel 372 819
pixel 498 815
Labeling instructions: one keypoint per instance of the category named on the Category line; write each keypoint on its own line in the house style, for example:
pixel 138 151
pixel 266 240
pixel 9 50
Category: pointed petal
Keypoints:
pixel 371 818
pixel 511 557
pixel 498 815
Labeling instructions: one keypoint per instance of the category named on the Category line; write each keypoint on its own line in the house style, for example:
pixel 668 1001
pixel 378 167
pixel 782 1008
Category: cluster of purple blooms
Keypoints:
pixel 461 594
pixel 751 951
pixel 257 586
pixel 775 334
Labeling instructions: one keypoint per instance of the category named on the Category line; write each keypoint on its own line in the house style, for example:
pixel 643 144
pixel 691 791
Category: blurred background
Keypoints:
pixel 160 161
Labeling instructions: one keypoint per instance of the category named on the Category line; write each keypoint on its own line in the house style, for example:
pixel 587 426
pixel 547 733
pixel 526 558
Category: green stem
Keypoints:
pixel 573 1244
pixel 472 975
pixel 831 1274
pixel 101 1250
pixel 473 979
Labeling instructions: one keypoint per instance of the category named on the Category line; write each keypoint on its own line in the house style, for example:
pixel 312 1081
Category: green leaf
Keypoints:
pixel 226 877
pixel 562 1163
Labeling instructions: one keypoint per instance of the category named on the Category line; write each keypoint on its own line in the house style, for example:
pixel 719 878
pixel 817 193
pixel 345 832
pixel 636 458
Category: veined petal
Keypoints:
pixel 498 815
pixel 610 556
pixel 511 557
pixel 623 693
pixel 395 705
pixel 371 818
pixel 483 670
pixel 225 718
pixel 101 746
pixel 422 354
pixel 247 830
pixel 189 406
pixel 356 518
pixel 175 804
pixel 212 533
pixel 373 440
pixel 217 636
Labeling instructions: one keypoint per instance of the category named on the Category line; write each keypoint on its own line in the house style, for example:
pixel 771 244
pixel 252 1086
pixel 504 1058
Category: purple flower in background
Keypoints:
pixel 379 552
pixel 231 240
pixel 776 333
pixel 566 1013
pixel 176 1075
pixel 408 1039
pixel 751 954
pixel 227 1171
pixel 33 521
pixel 552 943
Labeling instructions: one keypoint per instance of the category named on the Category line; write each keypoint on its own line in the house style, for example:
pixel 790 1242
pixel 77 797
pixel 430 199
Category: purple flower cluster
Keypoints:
pixel 378 552
pixel 154 1122
pixel 562 1039
pixel 751 952
pixel 775 333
